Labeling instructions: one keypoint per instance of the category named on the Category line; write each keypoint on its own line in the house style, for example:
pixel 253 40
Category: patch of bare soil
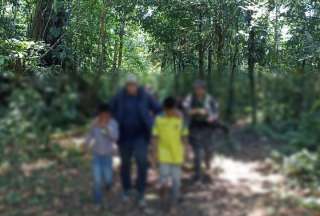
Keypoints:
pixel 238 185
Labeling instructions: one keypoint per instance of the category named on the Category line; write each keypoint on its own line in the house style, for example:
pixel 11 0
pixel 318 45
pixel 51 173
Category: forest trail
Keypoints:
pixel 239 184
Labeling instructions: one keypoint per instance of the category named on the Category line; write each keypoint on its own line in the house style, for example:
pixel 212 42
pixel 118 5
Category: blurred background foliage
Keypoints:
pixel 260 58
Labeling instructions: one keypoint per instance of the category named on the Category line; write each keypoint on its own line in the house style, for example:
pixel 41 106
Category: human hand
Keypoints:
pixel 212 119
pixel 84 148
pixel 153 163
pixel 202 112
pixel 106 131
pixel 193 111
pixel 198 112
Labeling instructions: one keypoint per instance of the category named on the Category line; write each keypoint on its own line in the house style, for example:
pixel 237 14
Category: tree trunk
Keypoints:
pixel 41 19
pixel 210 72
pixel 299 105
pixel 162 80
pixel 176 74
pixel 121 35
pixel 115 58
pixel 219 51
pixel 201 50
pixel 114 71
pixel 180 72
pixel 230 106
pixel 48 26
pixel 276 33
pixel 103 38
pixel 201 63
pixel 251 65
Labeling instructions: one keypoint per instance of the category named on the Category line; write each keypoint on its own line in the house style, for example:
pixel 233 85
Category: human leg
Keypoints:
pixel 125 169
pixel 108 171
pixel 207 141
pixel 164 177
pixel 140 155
pixel 197 160
pixel 175 173
pixel 164 174
pixel 97 176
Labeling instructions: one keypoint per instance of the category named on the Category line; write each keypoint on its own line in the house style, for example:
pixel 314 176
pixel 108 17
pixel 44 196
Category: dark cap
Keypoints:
pixel 199 84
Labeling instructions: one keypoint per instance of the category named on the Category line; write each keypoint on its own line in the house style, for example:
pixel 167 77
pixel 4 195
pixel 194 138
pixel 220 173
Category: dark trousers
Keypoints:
pixel 135 149
pixel 202 145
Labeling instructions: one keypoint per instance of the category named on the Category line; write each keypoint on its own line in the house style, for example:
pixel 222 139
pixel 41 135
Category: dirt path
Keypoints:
pixel 240 186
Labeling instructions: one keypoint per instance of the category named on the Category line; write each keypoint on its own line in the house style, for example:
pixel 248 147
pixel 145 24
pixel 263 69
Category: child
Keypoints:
pixel 169 134
pixel 103 134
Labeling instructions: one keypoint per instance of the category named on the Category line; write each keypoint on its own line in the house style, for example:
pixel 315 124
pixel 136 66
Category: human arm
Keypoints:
pixel 213 110
pixel 185 140
pixel 154 144
pixel 186 104
pixel 154 105
pixel 113 131
pixel 154 152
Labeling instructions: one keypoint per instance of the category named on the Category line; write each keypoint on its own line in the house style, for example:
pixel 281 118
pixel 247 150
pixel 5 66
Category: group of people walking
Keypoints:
pixel 144 129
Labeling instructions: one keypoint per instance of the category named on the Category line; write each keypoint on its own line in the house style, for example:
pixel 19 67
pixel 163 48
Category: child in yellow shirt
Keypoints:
pixel 169 136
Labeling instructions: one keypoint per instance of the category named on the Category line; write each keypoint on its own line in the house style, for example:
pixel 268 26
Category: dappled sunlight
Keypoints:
pixel 70 142
pixel 237 187
pixel 244 173
pixel 177 86
pixel 4 168
pixel 28 168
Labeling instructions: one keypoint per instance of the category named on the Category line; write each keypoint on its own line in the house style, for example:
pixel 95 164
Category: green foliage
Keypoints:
pixel 20 116
pixel 13 198
pixel 59 58
pixel 307 134
pixel 303 165
pixel 22 126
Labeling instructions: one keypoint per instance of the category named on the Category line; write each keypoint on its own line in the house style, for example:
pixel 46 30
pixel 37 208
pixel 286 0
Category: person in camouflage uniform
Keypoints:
pixel 202 112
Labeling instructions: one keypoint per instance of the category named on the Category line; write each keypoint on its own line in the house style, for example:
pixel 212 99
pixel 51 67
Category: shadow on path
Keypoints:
pixel 237 187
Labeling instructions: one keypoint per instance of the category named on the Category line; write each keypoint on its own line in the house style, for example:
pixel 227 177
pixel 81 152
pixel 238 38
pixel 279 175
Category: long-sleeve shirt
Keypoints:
pixel 208 103
pixel 135 115
pixel 103 138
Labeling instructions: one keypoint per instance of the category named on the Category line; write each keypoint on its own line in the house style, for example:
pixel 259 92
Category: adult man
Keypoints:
pixel 134 109
pixel 202 112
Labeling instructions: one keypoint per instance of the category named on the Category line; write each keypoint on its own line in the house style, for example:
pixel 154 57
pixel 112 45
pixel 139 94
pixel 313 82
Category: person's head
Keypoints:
pixel 200 88
pixel 132 85
pixel 169 104
pixel 104 111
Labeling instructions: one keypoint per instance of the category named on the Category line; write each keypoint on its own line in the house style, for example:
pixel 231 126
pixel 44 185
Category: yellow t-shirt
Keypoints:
pixel 169 131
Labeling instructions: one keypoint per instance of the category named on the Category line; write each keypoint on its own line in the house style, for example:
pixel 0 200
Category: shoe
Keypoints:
pixel 195 178
pixel 206 179
pixel 173 211
pixel 180 200
pixel 142 203
pixel 125 197
pixel 98 207
pixel 108 188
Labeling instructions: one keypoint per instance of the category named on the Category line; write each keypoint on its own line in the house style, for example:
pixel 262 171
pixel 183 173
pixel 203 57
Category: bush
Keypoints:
pixel 27 122
pixel 308 133
pixel 22 126
pixel 304 167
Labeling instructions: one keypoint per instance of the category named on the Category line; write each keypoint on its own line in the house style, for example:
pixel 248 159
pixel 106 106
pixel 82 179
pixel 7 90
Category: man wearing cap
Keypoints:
pixel 202 112
pixel 134 110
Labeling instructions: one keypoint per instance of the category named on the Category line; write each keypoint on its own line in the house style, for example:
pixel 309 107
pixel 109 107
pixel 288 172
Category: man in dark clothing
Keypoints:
pixel 134 109
pixel 202 112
